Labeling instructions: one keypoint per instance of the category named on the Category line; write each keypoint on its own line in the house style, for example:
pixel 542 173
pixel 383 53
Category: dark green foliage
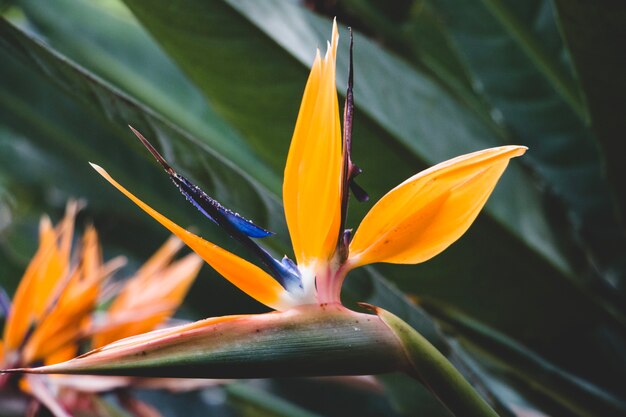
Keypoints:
pixel 216 85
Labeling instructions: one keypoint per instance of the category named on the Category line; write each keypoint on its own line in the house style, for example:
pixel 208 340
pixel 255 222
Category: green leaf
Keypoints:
pixel 592 31
pixel 55 136
pixel 408 396
pixel 569 391
pixel 227 181
pixel 416 32
pixel 561 80
pixel 515 54
pixel 114 47
pixel 313 340
pixel 521 398
pixel 334 396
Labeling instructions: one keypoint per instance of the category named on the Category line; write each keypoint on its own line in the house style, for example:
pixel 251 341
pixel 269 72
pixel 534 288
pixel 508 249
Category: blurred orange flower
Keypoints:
pixel 53 312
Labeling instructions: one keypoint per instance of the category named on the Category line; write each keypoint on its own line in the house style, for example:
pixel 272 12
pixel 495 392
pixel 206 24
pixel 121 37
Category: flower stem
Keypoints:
pixel 433 370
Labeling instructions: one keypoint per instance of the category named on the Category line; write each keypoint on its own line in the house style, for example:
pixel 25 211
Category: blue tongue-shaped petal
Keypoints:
pixel 235 225
pixel 205 204
pixel 5 303
pixel 214 210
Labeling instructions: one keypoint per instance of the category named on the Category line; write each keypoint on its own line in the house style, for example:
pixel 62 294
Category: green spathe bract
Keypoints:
pixel 314 340
pixel 304 341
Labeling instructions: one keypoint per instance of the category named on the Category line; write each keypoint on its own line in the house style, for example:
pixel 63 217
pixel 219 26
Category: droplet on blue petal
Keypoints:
pixel 212 209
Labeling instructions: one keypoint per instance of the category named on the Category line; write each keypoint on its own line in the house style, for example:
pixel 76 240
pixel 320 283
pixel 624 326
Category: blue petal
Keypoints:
pixel 214 210
pixel 289 274
pixel 207 206
pixel 5 303
pixel 239 228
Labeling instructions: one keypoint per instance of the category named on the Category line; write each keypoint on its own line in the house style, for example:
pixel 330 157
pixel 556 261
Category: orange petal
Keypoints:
pixel 36 288
pixel 65 353
pixel 91 255
pixel 134 290
pixel 161 257
pixel 142 293
pixel 65 229
pixel 312 184
pixel 108 323
pixel 248 277
pixel 59 327
pixel 428 212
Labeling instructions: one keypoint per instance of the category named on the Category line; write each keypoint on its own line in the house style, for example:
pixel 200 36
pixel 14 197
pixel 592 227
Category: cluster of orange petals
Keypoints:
pixel 54 307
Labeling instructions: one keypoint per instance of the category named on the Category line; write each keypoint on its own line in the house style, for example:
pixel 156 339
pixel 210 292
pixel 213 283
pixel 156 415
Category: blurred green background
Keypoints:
pixel 530 304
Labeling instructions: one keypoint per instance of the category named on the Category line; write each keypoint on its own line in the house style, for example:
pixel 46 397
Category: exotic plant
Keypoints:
pixel 312 333
pixel 527 305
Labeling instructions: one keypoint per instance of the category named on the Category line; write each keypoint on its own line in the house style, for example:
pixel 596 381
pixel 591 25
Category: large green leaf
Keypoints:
pixel 334 397
pixel 415 31
pixel 592 31
pixel 515 54
pixel 252 402
pixel 514 57
pixel 113 46
pixel 568 391
pixel 224 179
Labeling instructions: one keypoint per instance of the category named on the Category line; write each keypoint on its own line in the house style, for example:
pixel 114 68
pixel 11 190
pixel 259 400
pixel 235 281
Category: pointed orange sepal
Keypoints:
pixel 248 277
pixel 312 184
pixel 428 212
pixel 150 297
pixel 42 279
pixel 59 328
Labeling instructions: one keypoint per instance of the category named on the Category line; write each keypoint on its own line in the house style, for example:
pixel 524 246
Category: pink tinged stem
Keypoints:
pixel 314 340
pixel 330 279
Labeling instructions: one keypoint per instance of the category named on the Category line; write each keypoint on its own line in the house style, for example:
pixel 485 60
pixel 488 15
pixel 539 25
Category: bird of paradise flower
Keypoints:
pixel 412 223
pixel 312 333
pixel 53 310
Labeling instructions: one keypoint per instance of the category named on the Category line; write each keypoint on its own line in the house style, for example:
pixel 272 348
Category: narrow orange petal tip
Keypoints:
pixel 98 168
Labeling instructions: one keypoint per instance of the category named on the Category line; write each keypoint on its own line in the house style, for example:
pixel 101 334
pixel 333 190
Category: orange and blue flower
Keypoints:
pixel 412 223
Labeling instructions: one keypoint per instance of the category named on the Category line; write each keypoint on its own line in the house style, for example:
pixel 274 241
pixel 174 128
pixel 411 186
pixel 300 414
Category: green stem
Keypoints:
pixel 432 369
